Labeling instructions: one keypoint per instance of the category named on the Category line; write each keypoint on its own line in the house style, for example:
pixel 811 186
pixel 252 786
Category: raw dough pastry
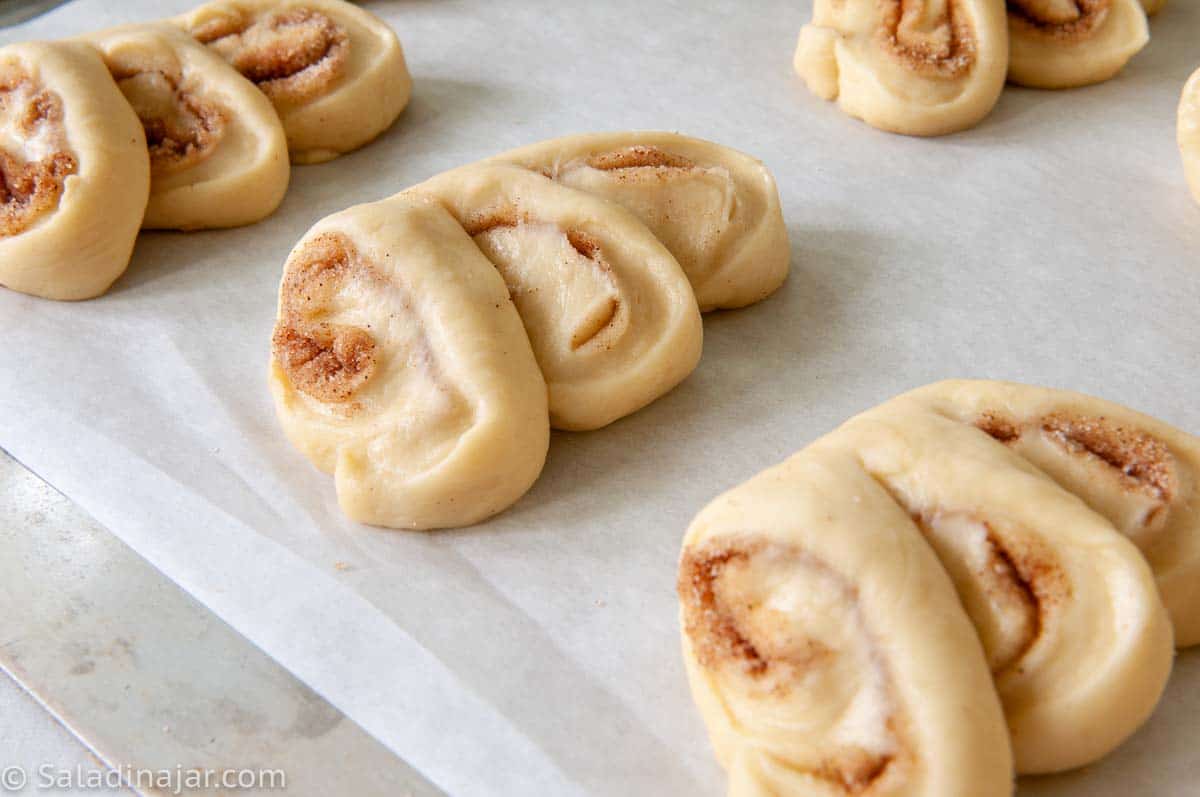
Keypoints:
pixel 74 172
pixel 218 156
pixel 611 316
pixel 335 72
pixel 919 67
pixel 1068 612
pixel 1059 44
pixel 1054 591
pixel 716 209
pixel 1136 471
pixel 826 648
pixel 1189 132
pixel 400 365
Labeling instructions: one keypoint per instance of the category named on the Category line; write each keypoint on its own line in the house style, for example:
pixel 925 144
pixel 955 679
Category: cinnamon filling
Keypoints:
pixel 1009 584
pixel 597 316
pixel 329 362
pixel 32 181
pixel 1143 463
pixel 1065 20
pixel 181 129
pixel 293 55
pixel 931 37
pixel 730 628
pixel 638 157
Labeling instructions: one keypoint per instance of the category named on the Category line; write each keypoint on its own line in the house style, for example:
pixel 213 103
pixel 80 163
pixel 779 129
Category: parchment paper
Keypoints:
pixel 537 654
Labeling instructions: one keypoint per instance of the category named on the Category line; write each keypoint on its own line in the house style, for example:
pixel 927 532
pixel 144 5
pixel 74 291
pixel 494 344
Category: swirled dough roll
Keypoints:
pixel 399 364
pixel 1136 471
pixel 1060 44
pixel 611 316
pixel 716 209
pixel 218 156
pixel 74 172
pixel 1188 131
pixel 826 648
pixel 919 67
pixel 1067 610
pixel 335 73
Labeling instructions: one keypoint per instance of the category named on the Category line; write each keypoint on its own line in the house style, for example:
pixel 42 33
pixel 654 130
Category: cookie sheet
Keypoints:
pixel 537 653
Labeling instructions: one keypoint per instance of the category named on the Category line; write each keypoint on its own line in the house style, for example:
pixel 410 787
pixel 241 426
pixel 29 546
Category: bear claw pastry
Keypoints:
pixel 1031 499
pixel 218 156
pixel 335 73
pixel 400 365
pixel 1057 44
pixel 826 648
pixel 924 68
pixel 74 172
pixel 716 209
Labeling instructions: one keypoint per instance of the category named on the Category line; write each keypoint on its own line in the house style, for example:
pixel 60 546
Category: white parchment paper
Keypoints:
pixel 537 654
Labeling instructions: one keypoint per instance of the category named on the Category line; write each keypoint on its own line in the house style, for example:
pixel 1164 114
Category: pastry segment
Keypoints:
pixel 74 172
pixel 610 314
pixel 715 209
pixel 335 73
pixel 1058 44
pixel 218 155
pixel 400 365
pixel 918 67
pixel 814 620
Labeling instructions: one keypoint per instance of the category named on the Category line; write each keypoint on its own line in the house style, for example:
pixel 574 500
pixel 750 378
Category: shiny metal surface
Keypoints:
pixel 148 678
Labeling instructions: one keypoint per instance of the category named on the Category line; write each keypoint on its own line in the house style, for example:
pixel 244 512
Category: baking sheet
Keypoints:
pixel 537 653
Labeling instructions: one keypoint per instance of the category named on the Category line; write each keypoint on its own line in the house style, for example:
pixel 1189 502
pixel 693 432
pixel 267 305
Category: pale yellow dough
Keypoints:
pixel 1075 633
pixel 610 314
pixel 335 72
pixel 1188 131
pixel 826 648
pixel 400 365
pixel 1059 44
pixel 716 209
pixel 218 153
pixel 1136 471
pixel 924 68
pixel 76 174
pixel 1032 499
